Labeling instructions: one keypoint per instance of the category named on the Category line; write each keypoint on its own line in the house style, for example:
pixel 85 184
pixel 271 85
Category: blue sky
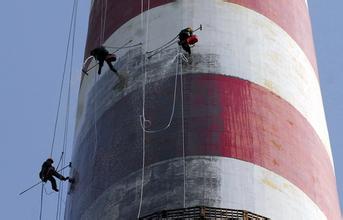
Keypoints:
pixel 327 24
pixel 33 41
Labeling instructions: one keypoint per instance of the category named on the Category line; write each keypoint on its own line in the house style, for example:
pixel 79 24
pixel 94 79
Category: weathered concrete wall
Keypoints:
pixel 205 186
pixel 255 130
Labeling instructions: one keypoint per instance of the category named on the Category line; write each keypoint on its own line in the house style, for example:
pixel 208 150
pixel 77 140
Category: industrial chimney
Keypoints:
pixel 236 131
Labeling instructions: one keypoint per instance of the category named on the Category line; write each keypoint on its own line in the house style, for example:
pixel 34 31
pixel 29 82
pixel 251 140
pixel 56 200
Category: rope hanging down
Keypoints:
pixel 41 202
pixel 94 115
pixel 163 47
pixel 63 76
pixel 135 45
pixel 143 119
pixel 183 134
pixel 143 104
pixel 67 116
pixel 143 123
pixel 72 31
pixel 103 16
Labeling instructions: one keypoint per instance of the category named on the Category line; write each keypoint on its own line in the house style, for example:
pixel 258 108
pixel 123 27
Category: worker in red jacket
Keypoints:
pixel 186 38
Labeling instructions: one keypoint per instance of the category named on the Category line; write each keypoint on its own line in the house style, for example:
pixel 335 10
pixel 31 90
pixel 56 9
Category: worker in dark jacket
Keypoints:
pixel 101 55
pixel 48 172
pixel 183 36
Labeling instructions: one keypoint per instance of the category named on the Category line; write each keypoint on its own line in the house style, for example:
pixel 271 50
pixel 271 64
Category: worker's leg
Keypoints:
pixel 71 180
pixel 53 183
pixel 59 176
pixel 186 47
pixel 110 65
pixel 101 63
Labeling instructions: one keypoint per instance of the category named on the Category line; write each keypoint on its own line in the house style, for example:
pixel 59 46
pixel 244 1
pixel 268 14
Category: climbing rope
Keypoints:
pixel 95 116
pixel 67 116
pixel 84 64
pixel 103 17
pixel 72 30
pixel 135 45
pixel 147 30
pixel 59 162
pixel 160 49
pixel 41 202
pixel 183 133
pixel 143 119
pixel 101 21
pixel 63 77
pixel 143 104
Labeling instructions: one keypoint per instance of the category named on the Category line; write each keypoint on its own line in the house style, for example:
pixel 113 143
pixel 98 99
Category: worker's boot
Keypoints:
pixel 55 189
pixel 71 180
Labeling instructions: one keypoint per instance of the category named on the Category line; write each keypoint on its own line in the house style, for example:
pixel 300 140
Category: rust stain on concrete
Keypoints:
pixel 276 145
